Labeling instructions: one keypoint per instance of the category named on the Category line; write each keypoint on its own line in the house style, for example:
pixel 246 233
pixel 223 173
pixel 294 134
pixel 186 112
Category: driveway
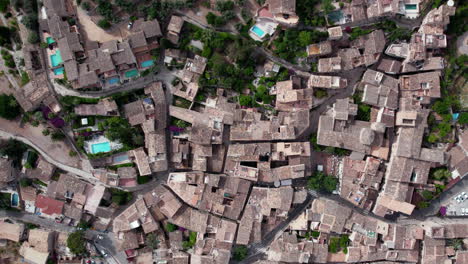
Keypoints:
pixel 57 149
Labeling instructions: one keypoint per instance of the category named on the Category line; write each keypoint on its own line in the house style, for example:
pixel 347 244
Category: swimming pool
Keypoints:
pixel 59 71
pixel 56 58
pixel 258 31
pixel 100 147
pixel 411 7
pixel 336 16
pixel 113 80
pixel 50 40
pixel 131 73
pixel 147 63
pixel 14 200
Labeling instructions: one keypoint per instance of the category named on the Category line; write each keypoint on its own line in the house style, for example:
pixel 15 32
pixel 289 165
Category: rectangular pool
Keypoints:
pixel 411 7
pixel 147 63
pixel 100 147
pixel 131 73
pixel 14 200
pixel 258 31
pixel 113 80
pixel 56 58
pixel 59 71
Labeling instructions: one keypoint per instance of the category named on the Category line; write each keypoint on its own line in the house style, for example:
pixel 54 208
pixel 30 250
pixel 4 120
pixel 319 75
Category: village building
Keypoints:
pixel 459 157
pixel 280 11
pixel 332 64
pixel 215 193
pixel 291 97
pixel 338 128
pixel 12 232
pixel 319 49
pixel 380 90
pixel 327 82
pixel 174 28
pixel 335 33
pixel 268 162
pixel 265 209
pixel 7 173
pixel 249 125
pixel 105 107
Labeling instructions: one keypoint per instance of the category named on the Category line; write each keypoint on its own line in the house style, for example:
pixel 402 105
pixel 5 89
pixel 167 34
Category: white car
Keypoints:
pixel 130 25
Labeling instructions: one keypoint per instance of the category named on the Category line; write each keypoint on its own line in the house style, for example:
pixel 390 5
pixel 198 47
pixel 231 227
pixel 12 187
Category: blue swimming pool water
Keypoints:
pixel 411 7
pixel 56 59
pixel 59 71
pixel 147 63
pixel 100 147
pixel 258 31
pixel 14 200
pixel 113 80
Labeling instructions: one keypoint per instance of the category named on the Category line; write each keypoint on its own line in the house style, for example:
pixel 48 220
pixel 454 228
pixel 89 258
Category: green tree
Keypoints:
pixel 72 153
pixel 463 118
pixel 427 195
pixel 170 227
pixel 76 243
pixel 441 174
pixel 14 149
pixel 239 253
pixel 305 38
pixel 30 21
pixel 104 23
pixel 422 204
pixel 321 182
pixel 245 100
pixel 86 6
pixel 152 241
pixel 25 182
pixel 9 108
pixel 327 6
pixel 4 5
pixel 33 37
pixel 191 241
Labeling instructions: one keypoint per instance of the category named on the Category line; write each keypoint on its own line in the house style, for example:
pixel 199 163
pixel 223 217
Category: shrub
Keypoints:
pixel 240 253
pixel 72 153
pixel 319 93
pixel 46 132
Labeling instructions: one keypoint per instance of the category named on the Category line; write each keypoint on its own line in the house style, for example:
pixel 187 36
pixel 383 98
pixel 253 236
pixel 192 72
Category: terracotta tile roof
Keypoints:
pixel 49 206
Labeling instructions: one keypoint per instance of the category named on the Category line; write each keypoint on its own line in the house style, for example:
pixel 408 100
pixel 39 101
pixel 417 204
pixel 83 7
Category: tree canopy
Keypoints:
pixel 321 182
pixel 77 243
pixel 9 107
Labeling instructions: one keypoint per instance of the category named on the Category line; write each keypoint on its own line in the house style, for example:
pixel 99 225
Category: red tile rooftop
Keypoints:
pixel 264 12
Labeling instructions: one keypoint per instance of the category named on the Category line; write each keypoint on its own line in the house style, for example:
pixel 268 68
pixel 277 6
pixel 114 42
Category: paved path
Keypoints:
pixel 163 75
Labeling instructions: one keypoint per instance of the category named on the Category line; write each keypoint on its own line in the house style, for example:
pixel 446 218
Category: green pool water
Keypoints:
pixel 50 40
pixel 411 7
pixel 131 73
pixel 56 59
